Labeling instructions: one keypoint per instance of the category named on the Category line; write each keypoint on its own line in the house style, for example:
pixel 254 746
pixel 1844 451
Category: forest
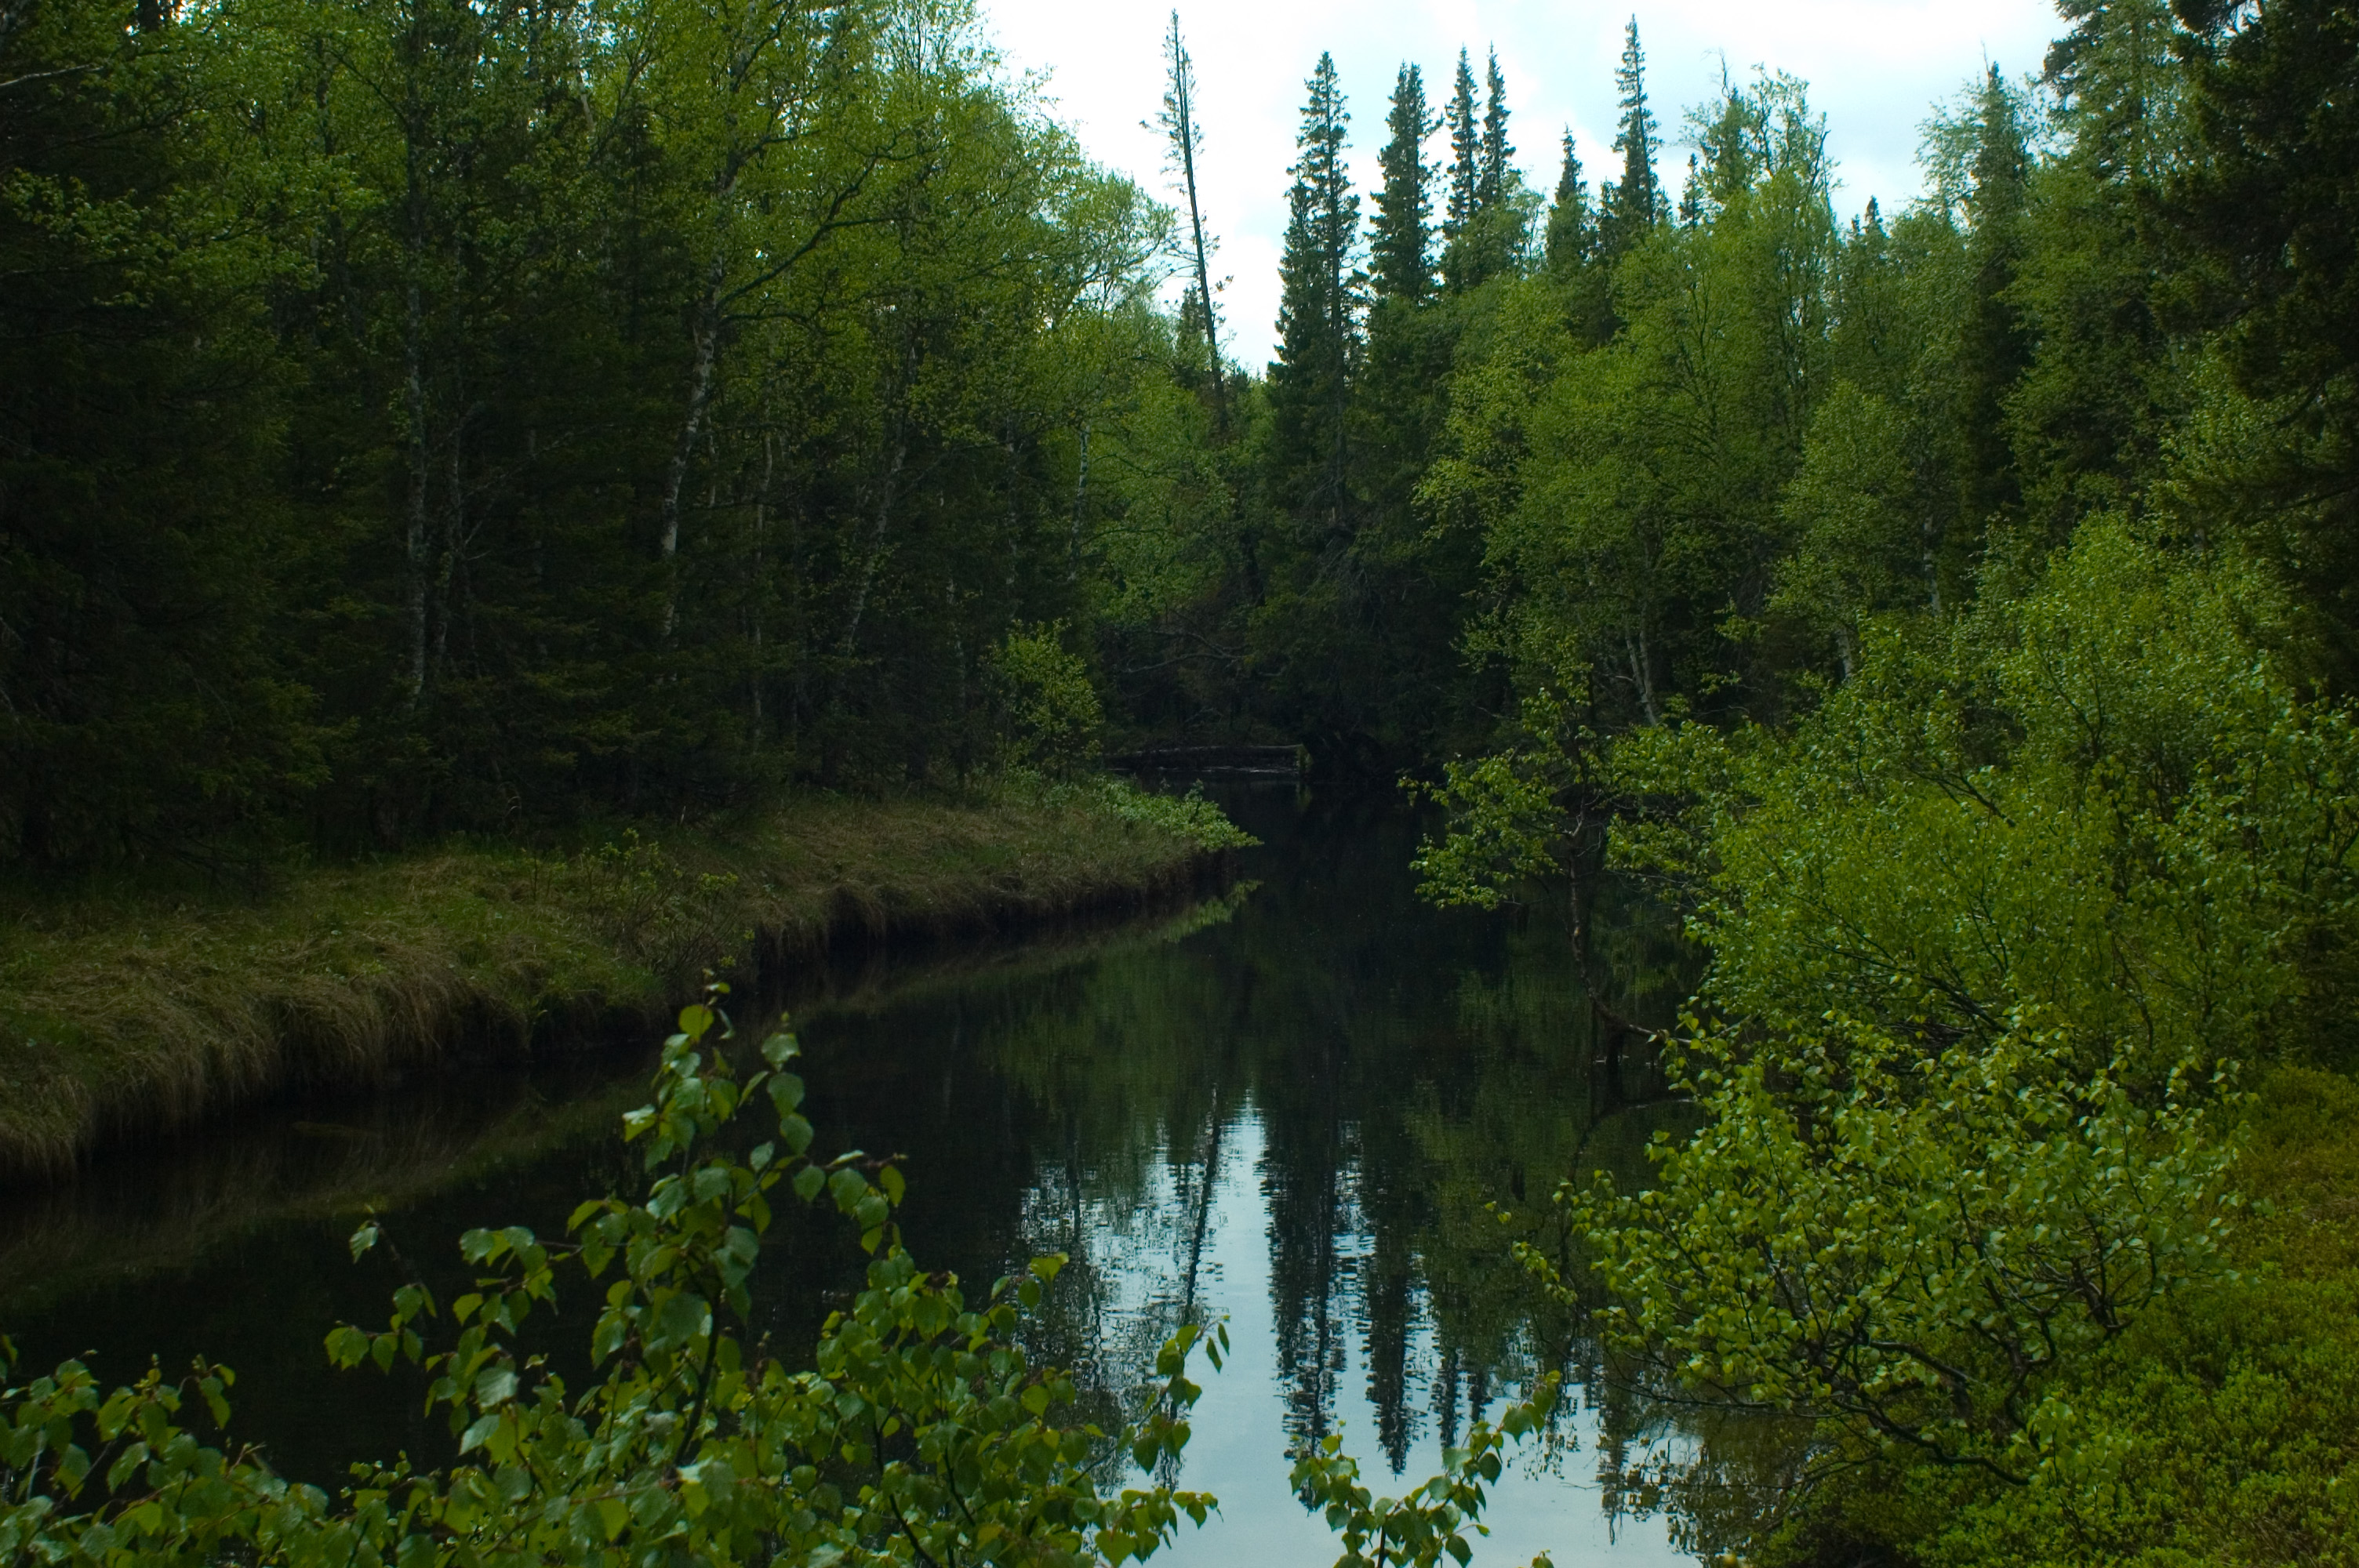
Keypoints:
pixel 430 419
pixel 425 419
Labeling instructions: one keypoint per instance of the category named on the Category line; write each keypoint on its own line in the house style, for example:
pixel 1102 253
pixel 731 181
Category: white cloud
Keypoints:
pixel 1875 68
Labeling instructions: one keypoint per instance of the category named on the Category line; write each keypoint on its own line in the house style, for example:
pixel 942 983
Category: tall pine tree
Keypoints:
pixel 1400 235
pixel 1633 204
pixel 1569 235
pixel 1318 313
pixel 1490 178
pixel 1465 152
pixel 1482 226
pixel 1995 346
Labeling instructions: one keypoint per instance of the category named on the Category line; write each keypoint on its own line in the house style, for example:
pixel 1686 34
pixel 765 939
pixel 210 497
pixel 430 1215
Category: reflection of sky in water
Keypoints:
pixel 1141 1248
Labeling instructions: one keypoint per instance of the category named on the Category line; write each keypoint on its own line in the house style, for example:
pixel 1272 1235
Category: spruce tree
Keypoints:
pixel 1994 345
pixel 1491 177
pixel 2263 205
pixel 1465 152
pixel 1633 204
pixel 1569 237
pixel 1389 610
pixel 1317 314
pixel 1400 236
pixel 1571 257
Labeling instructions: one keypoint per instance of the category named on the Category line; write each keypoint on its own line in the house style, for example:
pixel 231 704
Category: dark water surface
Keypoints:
pixel 1288 1108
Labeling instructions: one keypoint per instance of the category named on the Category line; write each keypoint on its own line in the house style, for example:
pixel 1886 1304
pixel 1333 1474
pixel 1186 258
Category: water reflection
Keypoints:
pixel 1299 1119
pixel 1291 1109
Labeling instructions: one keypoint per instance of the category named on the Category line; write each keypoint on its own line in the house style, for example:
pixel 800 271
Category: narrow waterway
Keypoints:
pixel 1287 1108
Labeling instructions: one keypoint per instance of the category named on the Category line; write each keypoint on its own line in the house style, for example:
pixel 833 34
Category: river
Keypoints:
pixel 1288 1108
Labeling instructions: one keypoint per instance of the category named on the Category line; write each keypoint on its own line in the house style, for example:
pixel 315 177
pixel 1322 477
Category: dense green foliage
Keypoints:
pixel 1949 610
pixel 423 417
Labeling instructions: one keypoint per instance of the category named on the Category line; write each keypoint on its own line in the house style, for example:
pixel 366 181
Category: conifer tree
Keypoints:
pixel 1996 344
pixel 1633 204
pixel 1317 316
pixel 1400 236
pixel 1482 234
pixel 1465 152
pixel 2262 207
pixel 1491 177
pixel 1569 226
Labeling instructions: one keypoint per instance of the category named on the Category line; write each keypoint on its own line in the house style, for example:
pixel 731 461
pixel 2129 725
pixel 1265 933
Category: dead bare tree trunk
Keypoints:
pixel 1187 140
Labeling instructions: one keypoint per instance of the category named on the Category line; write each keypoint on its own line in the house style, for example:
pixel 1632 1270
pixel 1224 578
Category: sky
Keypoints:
pixel 1875 69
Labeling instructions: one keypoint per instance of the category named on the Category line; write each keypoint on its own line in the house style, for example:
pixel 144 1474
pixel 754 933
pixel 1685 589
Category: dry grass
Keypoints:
pixel 178 1200
pixel 129 1012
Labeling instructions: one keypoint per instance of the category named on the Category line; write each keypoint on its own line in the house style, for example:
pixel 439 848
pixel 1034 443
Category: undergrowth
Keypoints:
pixel 2214 1432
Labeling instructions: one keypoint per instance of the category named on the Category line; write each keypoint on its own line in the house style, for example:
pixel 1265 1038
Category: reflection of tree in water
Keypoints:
pixel 1408 1067
pixel 1303 1175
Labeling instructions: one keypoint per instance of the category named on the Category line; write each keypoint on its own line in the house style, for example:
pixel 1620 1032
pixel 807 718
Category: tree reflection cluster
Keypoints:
pixel 1401 1080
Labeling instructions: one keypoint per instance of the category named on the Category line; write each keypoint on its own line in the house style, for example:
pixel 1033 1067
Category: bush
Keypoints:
pixel 1904 1251
pixel 1050 715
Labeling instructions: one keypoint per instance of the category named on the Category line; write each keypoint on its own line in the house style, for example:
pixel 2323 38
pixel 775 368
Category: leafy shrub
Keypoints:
pixel 1905 1249
pixel 2102 801
pixel 1049 714
pixel 1995 930
pixel 2215 1430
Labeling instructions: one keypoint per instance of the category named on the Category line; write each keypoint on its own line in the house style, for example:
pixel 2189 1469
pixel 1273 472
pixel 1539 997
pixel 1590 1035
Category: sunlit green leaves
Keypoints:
pixel 2101 799
pixel 1907 1246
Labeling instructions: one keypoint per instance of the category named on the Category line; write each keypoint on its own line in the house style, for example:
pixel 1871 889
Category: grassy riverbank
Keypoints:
pixel 129 1009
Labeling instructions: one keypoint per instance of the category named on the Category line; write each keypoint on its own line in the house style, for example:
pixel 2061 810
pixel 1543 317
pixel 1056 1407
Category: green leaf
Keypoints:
pixel 495 1386
pixel 478 1434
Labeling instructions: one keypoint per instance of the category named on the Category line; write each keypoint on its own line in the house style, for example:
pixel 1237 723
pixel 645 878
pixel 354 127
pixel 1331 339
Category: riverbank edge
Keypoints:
pixel 133 1015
